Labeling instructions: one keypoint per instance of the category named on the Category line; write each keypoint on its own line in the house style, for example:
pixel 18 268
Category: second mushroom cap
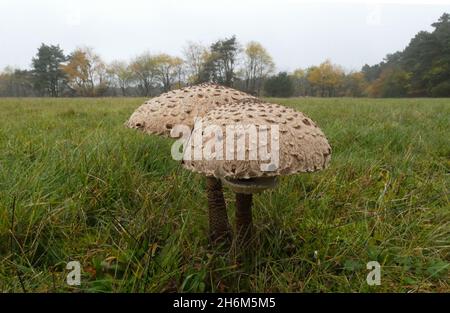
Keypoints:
pixel 160 114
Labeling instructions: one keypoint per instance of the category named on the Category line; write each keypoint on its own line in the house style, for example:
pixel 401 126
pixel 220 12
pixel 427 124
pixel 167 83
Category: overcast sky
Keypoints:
pixel 297 33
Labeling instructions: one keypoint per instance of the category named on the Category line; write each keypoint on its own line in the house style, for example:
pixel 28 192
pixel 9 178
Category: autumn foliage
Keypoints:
pixel 422 69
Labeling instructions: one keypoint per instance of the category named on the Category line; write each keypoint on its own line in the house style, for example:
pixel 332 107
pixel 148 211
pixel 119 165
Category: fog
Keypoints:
pixel 296 33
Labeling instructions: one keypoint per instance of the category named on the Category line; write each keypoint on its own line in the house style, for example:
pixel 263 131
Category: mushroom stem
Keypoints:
pixel 244 224
pixel 219 228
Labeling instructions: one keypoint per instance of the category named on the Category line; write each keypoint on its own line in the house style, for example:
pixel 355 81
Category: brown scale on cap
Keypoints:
pixel 159 115
pixel 303 147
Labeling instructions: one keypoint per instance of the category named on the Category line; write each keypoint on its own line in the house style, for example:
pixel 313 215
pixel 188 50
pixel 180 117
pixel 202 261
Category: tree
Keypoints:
pixel 86 73
pixel 121 74
pixel 280 85
pixel 326 78
pixel 422 66
pixel 48 76
pixel 354 85
pixel 144 72
pixel 393 82
pixel 301 84
pixel 418 57
pixel 439 74
pixel 168 70
pixel 220 63
pixel 180 71
pixel 16 83
pixel 371 73
pixel 441 90
pixel 195 56
pixel 257 65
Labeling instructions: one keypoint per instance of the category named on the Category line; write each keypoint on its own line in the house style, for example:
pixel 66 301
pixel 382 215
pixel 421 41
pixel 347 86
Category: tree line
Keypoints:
pixel 421 69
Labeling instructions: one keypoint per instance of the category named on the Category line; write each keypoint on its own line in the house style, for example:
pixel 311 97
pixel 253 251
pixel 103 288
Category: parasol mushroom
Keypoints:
pixel 297 145
pixel 161 114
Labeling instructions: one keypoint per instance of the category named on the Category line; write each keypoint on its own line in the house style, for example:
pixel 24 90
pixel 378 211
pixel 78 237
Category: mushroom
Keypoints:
pixel 161 114
pixel 297 141
pixel 181 106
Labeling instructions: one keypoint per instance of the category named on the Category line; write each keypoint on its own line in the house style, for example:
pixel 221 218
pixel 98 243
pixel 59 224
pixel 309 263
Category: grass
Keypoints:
pixel 76 185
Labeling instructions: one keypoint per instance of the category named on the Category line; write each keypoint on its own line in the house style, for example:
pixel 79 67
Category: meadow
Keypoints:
pixel 76 185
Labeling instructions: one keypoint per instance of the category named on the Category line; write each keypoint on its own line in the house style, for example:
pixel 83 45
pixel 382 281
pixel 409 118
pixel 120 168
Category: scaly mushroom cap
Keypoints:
pixel 302 145
pixel 159 115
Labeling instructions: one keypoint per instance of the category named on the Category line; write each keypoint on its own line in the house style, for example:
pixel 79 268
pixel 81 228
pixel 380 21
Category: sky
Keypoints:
pixel 297 33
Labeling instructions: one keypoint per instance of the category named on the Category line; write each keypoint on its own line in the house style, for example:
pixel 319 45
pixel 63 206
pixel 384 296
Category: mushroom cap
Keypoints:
pixel 302 146
pixel 160 114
